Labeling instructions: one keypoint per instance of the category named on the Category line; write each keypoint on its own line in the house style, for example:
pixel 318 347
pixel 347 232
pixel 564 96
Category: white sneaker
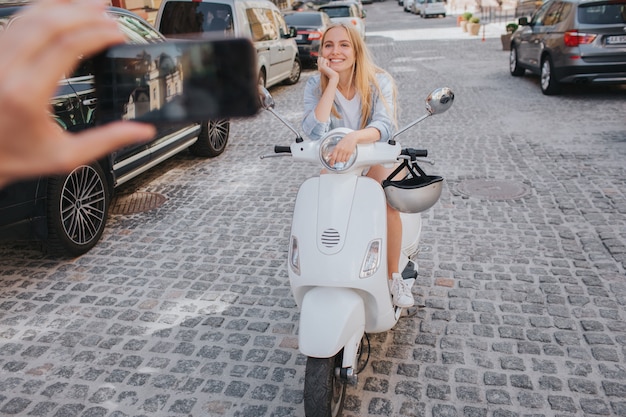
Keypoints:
pixel 400 291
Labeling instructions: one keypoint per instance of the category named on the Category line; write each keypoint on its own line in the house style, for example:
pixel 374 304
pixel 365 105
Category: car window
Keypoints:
pixel 262 24
pixel 602 14
pixel 195 17
pixel 280 22
pixel 181 17
pixel 303 19
pixel 538 18
pixel 337 11
pixel 137 31
pixel 552 15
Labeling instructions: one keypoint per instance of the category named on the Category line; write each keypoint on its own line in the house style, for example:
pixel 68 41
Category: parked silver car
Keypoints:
pixel 572 41
pixel 428 8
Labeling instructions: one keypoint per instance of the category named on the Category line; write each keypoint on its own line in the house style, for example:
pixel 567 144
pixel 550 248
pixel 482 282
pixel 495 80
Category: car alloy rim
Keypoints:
pixel 218 133
pixel 295 71
pixel 513 59
pixel 83 205
pixel 545 74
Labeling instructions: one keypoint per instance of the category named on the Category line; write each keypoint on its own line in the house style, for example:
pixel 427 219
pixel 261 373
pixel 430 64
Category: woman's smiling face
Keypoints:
pixel 338 49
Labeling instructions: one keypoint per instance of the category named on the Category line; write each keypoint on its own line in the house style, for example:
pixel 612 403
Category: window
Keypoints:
pixel 337 11
pixel 282 25
pixel 196 17
pixel 137 31
pixel 262 24
pixel 602 14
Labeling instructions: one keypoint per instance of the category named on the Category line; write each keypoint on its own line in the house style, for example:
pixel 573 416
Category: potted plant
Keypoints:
pixel 506 37
pixel 473 25
pixel 465 17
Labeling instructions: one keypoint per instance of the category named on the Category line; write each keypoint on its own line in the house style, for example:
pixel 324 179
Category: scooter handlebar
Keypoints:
pixel 282 149
pixel 414 153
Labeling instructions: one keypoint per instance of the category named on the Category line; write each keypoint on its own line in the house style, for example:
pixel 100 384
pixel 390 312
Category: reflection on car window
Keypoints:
pixel 261 24
pixel 538 16
pixel 304 19
pixel 184 18
pixel 552 16
pixel 337 11
pixel 137 31
pixel 602 14
pixel 282 25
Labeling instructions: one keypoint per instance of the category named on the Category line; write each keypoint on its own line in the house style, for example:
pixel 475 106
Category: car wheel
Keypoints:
pixel 549 86
pixel 212 139
pixel 296 70
pixel 262 78
pixel 514 66
pixel 77 210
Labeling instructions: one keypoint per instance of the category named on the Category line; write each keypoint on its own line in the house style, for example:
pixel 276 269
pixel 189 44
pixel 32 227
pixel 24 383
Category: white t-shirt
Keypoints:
pixel 350 110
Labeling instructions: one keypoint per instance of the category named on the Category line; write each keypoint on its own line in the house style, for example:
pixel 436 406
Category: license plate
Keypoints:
pixel 616 40
pixel 299 37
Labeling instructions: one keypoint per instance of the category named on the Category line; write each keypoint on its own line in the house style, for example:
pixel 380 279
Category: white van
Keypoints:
pixel 258 20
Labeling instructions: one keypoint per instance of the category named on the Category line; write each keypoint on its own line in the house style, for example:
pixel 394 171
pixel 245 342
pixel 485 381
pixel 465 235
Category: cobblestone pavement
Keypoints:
pixel 185 310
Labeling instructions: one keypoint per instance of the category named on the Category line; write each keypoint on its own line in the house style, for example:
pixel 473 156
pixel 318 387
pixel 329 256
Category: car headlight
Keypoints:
pixel 327 147
pixel 371 261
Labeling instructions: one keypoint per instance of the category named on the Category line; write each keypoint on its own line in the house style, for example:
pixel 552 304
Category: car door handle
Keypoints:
pixel 90 101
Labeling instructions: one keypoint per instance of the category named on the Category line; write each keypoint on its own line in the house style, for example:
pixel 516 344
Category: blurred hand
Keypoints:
pixel 41 46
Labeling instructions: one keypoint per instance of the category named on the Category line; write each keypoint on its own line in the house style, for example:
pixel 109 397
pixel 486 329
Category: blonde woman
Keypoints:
pixel 351 91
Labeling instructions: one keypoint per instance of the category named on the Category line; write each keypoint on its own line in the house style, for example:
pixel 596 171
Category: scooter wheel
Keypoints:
pixel 324 393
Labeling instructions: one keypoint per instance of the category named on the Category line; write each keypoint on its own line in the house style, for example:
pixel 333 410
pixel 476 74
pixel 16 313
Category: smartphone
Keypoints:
pixel 177 81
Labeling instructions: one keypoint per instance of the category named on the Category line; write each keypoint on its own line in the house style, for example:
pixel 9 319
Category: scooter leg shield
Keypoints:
pixel 329 318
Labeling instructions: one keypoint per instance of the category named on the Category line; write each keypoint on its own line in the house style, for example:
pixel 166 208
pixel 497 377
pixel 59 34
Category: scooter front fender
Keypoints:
pixel 331 318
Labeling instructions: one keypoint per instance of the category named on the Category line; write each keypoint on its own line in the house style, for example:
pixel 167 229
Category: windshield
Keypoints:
pixel 337 11
pixel 193 17
pixel 602 14
pixel 304 19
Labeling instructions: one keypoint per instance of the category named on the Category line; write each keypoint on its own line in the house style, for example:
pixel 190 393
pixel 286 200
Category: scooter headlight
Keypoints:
pixel 371 262
pixel 294 256
pixel 326 148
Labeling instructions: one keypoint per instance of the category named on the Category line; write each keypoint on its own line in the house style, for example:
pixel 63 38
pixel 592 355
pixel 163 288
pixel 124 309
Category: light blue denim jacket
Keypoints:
pixel 379 119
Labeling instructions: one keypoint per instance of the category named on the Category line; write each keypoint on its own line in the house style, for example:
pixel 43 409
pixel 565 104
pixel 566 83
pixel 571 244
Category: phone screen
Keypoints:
pixel 177 81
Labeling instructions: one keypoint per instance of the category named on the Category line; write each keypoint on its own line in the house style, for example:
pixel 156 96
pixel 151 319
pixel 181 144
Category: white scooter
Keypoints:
pixel 338 249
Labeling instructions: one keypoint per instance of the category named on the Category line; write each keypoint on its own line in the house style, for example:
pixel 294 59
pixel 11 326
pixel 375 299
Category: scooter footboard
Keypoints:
pixel 329 318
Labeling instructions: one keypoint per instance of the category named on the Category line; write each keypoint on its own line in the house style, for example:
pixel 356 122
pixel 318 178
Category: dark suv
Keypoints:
pixel 69 212
pixel 572 41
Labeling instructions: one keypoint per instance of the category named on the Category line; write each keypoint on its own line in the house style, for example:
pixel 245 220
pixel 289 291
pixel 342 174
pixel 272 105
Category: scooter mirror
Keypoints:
pixel 265 98
pixel 439 100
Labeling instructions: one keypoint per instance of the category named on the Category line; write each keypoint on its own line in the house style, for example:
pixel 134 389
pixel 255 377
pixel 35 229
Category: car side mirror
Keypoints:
pixel 293 32
pixel 523 21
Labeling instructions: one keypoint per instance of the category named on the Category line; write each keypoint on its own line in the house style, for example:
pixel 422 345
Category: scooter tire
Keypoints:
pixel 324 393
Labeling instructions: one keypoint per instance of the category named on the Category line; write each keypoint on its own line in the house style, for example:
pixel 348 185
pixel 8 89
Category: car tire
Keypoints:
pixel 212 139
pixel 549 85
pixel 514 67
pixel 296 70
pixel 77 210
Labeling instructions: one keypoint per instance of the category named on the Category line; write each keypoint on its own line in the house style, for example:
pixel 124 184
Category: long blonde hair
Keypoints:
pixel 363 76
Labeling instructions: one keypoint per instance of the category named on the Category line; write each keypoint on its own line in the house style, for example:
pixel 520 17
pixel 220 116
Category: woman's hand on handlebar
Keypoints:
pixel 344 149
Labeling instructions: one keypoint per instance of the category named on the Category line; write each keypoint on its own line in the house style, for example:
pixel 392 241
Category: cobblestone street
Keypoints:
pixel 186 310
